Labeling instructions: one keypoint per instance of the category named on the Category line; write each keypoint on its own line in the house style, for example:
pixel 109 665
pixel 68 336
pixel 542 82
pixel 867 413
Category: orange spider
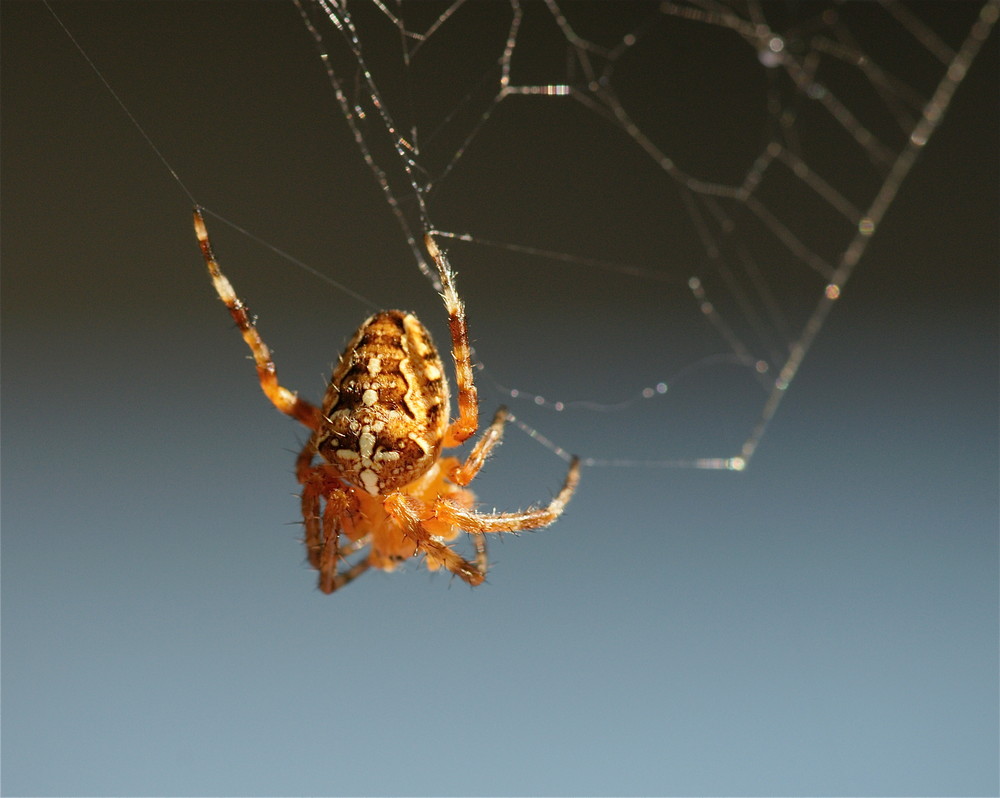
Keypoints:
pixel 381 482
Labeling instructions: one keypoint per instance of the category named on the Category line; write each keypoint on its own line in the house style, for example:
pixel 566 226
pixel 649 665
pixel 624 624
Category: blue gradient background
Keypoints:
pixel 825 623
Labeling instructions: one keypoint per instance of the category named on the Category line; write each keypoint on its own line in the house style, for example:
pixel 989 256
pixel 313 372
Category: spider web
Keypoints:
pixel 714 171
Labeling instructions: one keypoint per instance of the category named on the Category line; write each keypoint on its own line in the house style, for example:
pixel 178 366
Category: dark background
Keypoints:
pixel 824 623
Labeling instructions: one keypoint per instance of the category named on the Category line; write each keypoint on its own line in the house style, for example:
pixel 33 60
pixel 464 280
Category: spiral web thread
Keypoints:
pixel 819 81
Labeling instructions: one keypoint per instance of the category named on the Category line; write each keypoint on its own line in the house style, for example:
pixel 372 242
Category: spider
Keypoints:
pixel 381 483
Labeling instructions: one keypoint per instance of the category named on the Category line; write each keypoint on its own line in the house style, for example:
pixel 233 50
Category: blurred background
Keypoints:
pixel 825 622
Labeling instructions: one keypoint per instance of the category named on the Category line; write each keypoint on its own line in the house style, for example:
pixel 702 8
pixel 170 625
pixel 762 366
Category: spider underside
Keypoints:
pixel 381 489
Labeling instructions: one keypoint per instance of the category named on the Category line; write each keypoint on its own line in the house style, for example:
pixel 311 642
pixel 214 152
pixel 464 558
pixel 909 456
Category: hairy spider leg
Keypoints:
pixel 323 532
pixel 532 518
pixel 414 516
pixel 323 545
pixel 411 514
pixel 310 503
pixel 285 400
pixel 464 427
pixel 463 474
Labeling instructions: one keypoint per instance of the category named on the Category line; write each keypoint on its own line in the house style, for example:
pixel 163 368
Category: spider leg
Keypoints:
pixel 482 561
pixel 331 578
pixel 303 462
pixel 344 578
pixel 534 518
pixel 466 472
pixel 464 427
pixel 354 546
pixel 410 513
pixel 310 501
pixel 285 400
pixel 323 532
pixel 463 474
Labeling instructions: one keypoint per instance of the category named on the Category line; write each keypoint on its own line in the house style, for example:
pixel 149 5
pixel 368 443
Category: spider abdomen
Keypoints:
pixel 386 408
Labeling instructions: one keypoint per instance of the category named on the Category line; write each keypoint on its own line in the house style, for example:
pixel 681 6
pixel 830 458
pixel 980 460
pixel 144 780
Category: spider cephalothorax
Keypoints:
pixel 382 493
